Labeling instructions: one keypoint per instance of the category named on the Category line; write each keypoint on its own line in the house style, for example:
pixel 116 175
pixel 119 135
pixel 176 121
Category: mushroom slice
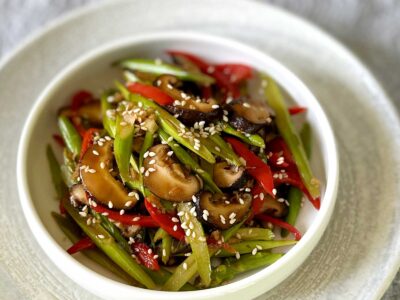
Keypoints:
pixel 78 193
pixel 273 207
pixel 98 181
pixel 249 116
pixel 223 210
pixel 167 178
pixel 185 107
pixel 229 177
pixel 90 111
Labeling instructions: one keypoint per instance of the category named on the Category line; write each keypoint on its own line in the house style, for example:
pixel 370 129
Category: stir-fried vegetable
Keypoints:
pixel 174 179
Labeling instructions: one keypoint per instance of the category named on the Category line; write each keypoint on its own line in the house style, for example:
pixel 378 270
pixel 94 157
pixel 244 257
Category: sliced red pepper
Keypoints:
pixel 294 110
pixel 291 174
pixel 77 122
pixel 235 72
pixel 127 219
pixel 257 202
pixel 206 92
pixel 254 165
pixel 280 223
pixel 164 221
pixel 87 140
pixel 150 92
pixel 80 98
pixel 222 79
pixel 59 140
pixel 145 255
pixel 82 244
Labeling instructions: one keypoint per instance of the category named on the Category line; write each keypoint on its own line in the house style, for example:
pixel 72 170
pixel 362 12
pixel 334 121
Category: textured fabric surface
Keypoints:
pixel 370 28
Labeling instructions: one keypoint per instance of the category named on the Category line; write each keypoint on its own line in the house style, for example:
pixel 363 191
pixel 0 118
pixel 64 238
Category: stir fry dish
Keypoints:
pixel 183 176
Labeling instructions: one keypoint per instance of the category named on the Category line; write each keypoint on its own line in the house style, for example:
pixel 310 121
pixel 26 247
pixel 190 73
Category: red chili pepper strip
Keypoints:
pixel 280 223
pixel 145 255
pixel 80 98
pixel 254 165
pixel 151 92
pixel 236 72
pixel 257 202
pixel 291 175
pixel 87 140
pixel 165 221
pixel 127 219
pixel 82 244
pixel 201 64
pixel 77 122
pixel 294 110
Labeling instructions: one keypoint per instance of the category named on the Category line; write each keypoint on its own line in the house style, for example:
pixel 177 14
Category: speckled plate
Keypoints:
pixel 360 252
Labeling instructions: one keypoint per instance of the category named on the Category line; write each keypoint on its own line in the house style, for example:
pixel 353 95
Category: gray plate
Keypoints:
pixel 359 253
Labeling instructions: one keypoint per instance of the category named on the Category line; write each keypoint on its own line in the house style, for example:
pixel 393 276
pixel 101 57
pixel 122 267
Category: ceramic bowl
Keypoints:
pixel 93 71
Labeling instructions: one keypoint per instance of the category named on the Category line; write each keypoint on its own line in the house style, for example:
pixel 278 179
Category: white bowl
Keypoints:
pixel 93 71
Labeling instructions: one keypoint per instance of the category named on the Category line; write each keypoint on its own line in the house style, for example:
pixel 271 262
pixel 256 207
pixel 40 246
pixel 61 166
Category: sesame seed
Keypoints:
pixel 146 154
pixel 135 219
pixel 222 219
pixel 83 214
pixel 91 171
pixel 191 226
pixel 104 214
pixel 205 217
pixel 188 232
pixel 175 228
pixel 193 234
pixel 102 165
pixel 232 215
pixel 194 199
pixel 152 154
pixel 184 266
pixel 192 210
pixel 217 148
pixel 237 254
pixel 151 170
pixel 110 204
pixel 181 213
pixel 107 138
pixel 262 196
pixel 175 220
pixel 164 253
pixel 248 190
pixel 142 170
pixel 245 104
pixel 151 162
pixel 156 256
pixel 241 201
pixel 150 251
pixel 254 252
pixel 121 212
pixel 274 191
pixel 95 152
pixel 225 119
pixel 281 200
pixel 100 236
pixel 215 106
pixel 232 221
pixel 184 226
pixel 259 247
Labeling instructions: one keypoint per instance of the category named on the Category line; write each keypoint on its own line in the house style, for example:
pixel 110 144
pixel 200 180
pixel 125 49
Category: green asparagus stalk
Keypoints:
pixel 230 232
pixel 70 229
pixel 56 176
pixel 166 244
pixel 159 68
pixel 123 146
pixel 249 246
pixel 246 263
pixel 197 240
pixel 108 121
pixel 219 147
pixel 288 132
pixel 295 195
pixel 251 139
pixel 107 244
pixel 183 273
pixel 188 161
pixel 249 234
pixel 70 136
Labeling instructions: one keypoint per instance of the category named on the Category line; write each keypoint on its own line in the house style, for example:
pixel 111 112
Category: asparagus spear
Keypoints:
pixel 108 121
pixel 249 246
pixel 107 244
pixel 261 234
pixel 246 263
pixel 166 244
pixel 288 132
pixel 70 136
pixel 195 237
pixel 159 68
pixel 295 195
pixel 71 230
pixel 251 139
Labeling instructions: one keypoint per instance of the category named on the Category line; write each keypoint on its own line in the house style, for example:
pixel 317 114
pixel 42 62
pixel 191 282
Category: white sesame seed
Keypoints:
pixel 95 152
pixel 151 170
pixel 175 220
pixel 262 196
pixel 102 165
pixel 191 226
pixel 194 199
pixel 232 215
pixel 151 162
pixel 222 219
pixel 135 219
pixel 188 232
pixel 274 191
pixel 184 226
pixel 121 212
pixel 232 221
pixel 193 234
pixel 205 217
pixel 104 214
pixel 91 171
pixel 152 154
pixel 164 253
pixel 110 204
pixel 215 106
pixel 205 212
pixel 254 252
pixel 237 254
pixel 175 228
pixel 245 104
pixel 184 266
pixel 146 154
pixel 181 213
pixel 156 256
pixel 150 251
pixel 217 148
pixel 83 214
pixel 100 236
pixel 259 247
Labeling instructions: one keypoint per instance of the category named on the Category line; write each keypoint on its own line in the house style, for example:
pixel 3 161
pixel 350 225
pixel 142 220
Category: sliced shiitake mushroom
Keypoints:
pixel 273 207
pixel 223 210
pixel 78 193
pixel 185 107
pixel 98 181
pixel 166 177
pixel 229 177
pixel 249 116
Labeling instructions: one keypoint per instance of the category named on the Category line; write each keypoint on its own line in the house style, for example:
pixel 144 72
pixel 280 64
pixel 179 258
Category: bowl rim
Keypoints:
pixel 76 270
